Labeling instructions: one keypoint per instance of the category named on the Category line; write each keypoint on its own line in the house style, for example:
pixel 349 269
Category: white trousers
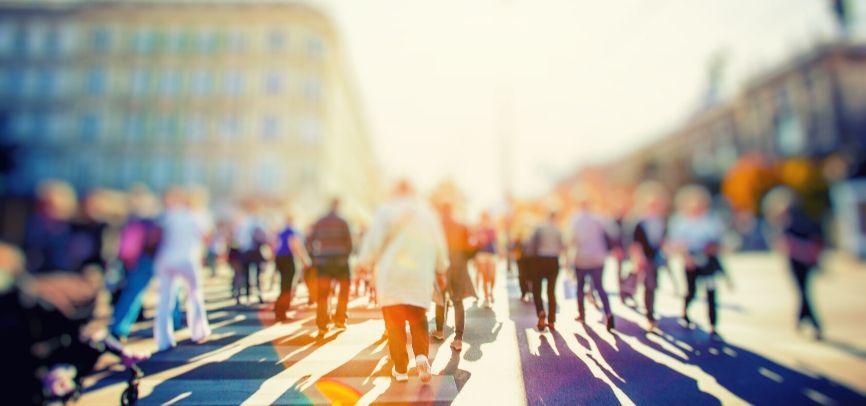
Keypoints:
pixel 168 273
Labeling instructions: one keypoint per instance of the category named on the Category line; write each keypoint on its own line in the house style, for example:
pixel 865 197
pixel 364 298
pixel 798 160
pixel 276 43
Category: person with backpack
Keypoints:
pixel 330 243
pixel 646 253
pixel 407 252
pixel 139 240
pixel 590 245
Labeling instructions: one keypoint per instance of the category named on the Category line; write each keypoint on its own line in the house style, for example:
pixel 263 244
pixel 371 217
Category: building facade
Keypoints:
pixel 812 106
pixel 246 98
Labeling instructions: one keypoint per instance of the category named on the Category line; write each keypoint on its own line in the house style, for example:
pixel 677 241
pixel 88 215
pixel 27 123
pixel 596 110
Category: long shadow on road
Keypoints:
pixel 755 378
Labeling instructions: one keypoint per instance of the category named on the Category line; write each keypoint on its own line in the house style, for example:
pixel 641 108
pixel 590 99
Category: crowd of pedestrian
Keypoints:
pixel 414 255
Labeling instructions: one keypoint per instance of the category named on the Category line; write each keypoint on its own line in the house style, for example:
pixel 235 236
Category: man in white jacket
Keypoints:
pixel 406 250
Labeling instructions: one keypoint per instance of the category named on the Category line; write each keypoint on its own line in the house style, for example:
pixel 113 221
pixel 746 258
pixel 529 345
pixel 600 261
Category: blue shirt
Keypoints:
pixel 284 241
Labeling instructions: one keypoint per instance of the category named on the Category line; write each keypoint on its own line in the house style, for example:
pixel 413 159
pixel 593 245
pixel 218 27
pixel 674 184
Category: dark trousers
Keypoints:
pixel 650 283
pixel 459 318
pixel 240 285
pixel 595 275
pixel 323 299
pixel 692 277
pixel 545 268
pixel 801 272
pixel 396 318
pixel 524 272
pixel 286 266
pixel 258 266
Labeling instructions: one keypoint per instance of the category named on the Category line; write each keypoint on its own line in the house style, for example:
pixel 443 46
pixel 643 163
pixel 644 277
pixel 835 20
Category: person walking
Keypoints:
pixel 697 234
pixel 330 246
pixel 406 250
pixel 289 249
pixel 485 259
pixel 803 242
pixel 139 240
pixel 458 283
pixel 547 247
pixel 646 253
pixel 590 243
pixel 184 228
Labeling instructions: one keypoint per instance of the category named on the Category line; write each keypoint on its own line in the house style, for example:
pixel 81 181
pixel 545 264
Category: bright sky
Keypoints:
pixel 569 81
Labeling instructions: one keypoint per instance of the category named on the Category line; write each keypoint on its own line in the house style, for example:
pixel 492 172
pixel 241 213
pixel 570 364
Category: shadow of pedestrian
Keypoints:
pixel 752 377
pixel 640 377
pixel 484 330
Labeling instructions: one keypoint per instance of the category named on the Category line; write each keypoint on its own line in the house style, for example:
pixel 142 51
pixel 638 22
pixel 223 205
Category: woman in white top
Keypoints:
pixel 406 251
pixel 184 229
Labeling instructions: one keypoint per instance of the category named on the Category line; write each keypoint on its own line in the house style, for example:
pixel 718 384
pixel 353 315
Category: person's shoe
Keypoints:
pixel 340 325
pixel 261 300
pixel 423 365
pixel 652 326
pixel 610 323
pixel 322 333
pixel 457 345
pixel 542 322
pixel 399 377
pixel 551 325
pixel 580 319
pixel 438 335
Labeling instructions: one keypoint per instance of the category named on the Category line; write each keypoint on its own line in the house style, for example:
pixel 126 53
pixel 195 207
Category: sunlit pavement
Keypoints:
pixel 761 359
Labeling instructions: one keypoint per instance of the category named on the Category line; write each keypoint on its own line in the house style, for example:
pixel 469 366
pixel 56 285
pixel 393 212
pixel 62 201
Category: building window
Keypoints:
pixel 226 173
pixel 91 127
pixel 235 40
pixel 312 89
pixel 97 83
pixel 194 172
pixel 233 83
pixel 230 128
pixel 315 47
pixel 57 126
pixel 201 82
pixel 273 82
pixel 207 41
pixel 144 40
pixel 140 81
pixel 37 39
pixel 171 82
pixel 134 128
pixel 277 40
pixel 22 125
pixel 311 131
pixel 195 129
pixel 100 39
pixel 67 37
pixel 47 82
pixel 7 37
pixel 160 172
pixel 271 127
pixel 268 175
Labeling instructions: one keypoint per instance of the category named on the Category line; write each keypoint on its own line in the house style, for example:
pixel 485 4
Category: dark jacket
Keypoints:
pixel 330 241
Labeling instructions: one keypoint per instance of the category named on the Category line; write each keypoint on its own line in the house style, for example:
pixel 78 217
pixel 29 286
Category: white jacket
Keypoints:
pixel 406 245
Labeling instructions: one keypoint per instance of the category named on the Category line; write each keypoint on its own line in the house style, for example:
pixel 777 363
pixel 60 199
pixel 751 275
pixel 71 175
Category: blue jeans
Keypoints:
pixel 129 304
pixel 594 275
